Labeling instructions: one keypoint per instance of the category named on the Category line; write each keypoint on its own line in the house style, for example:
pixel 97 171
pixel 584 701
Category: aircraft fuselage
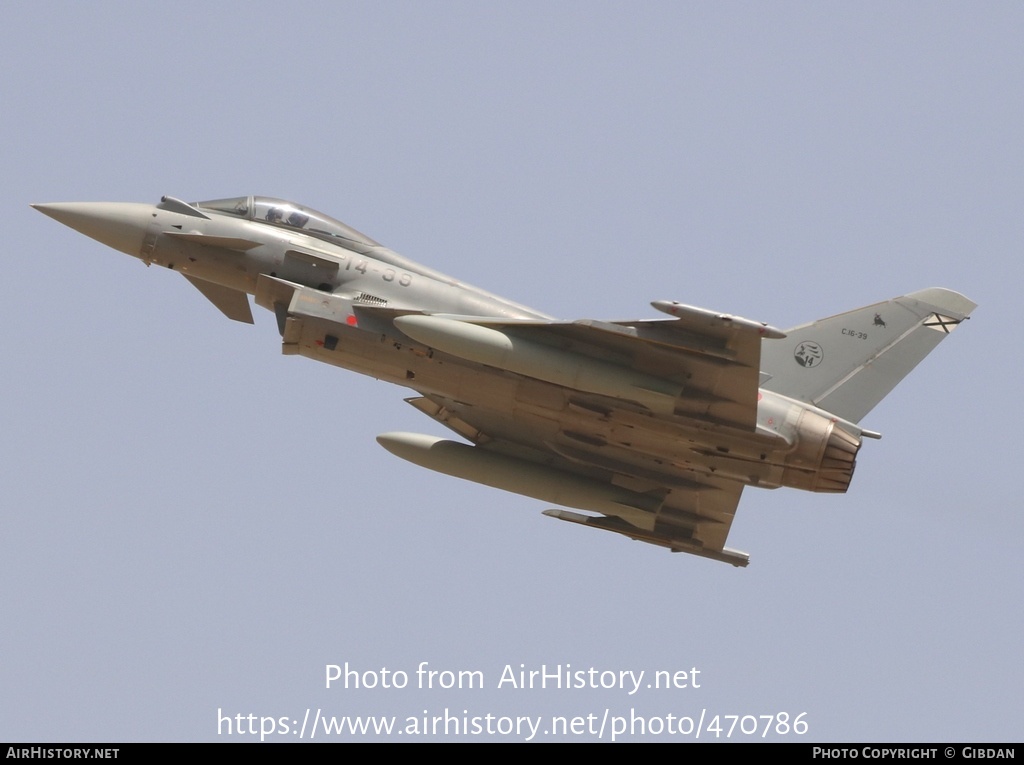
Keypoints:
pixel 652 423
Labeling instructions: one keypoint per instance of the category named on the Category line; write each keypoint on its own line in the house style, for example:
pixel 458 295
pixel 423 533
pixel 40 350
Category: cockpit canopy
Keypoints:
pixel 280 212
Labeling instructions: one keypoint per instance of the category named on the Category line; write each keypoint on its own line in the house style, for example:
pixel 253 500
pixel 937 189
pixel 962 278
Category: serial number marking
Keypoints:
pixel 388 275
pixel 857 334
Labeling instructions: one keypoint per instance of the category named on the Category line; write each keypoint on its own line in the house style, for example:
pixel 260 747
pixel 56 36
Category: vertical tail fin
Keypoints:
pixel 847 363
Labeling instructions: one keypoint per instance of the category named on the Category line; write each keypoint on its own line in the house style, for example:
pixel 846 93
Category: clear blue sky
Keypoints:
pixel 193 522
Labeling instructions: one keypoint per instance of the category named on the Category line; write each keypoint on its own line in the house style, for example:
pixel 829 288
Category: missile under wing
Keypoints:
pixel 651 427
pixel 667 416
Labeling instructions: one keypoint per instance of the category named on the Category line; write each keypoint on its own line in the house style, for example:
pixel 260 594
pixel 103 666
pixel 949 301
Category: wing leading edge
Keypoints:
pixel 713 359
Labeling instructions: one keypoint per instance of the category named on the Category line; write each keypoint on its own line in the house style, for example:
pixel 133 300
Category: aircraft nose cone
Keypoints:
pixel 121 225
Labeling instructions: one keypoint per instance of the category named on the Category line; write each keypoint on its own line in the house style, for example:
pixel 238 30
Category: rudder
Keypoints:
pixel 847 363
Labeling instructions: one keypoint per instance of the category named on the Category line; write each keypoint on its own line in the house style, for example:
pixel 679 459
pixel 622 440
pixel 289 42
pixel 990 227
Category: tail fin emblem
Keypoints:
pixel 808 354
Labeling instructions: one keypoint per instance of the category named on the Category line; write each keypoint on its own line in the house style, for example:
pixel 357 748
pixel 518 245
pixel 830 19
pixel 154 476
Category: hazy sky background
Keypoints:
pixel 193 522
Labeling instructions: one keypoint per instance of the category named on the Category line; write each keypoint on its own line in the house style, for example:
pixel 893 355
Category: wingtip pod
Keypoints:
pixel 714 318
pixel 617 526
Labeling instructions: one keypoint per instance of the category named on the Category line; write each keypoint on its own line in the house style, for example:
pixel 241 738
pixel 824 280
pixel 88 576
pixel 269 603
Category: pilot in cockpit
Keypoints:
pixel 297 219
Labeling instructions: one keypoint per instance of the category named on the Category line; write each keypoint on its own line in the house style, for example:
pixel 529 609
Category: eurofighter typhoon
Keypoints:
pixel 652 427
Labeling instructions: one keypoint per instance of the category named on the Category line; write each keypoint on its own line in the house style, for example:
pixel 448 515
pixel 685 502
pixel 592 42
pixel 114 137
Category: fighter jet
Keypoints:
pixel 651 427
